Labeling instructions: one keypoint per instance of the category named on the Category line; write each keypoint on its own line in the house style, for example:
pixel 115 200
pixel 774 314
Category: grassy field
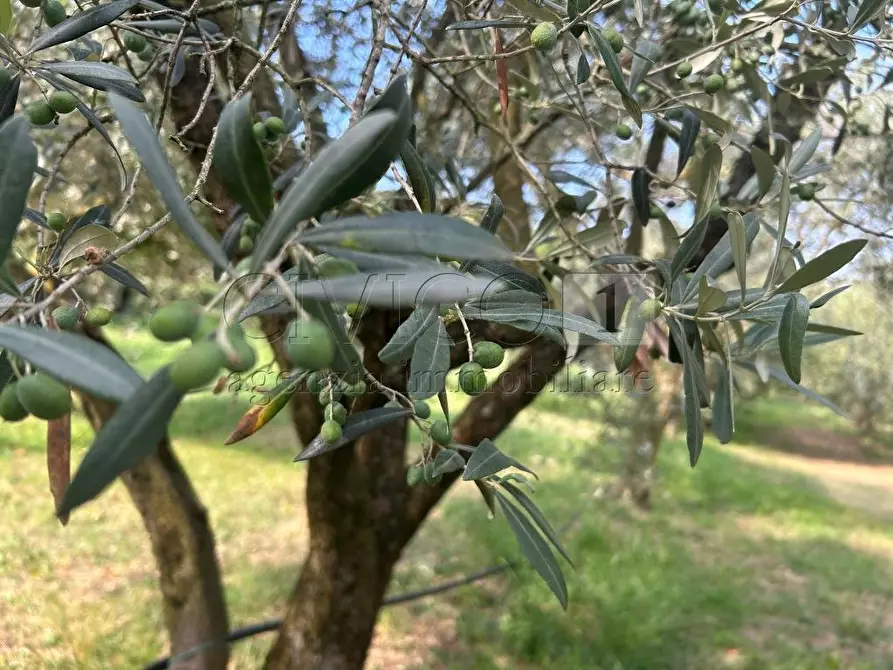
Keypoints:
pixel 762 557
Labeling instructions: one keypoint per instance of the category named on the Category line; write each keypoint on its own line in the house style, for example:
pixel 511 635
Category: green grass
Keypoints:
pixel 741 564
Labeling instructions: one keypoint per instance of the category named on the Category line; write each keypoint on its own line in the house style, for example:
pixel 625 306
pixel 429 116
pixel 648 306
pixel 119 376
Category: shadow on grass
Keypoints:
pixel 681 588
pixel 791 425
pixel 643 603
pixel 686 587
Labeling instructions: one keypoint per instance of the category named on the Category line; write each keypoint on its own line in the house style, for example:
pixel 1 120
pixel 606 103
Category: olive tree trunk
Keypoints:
pixel 183 545
pixel 362 515
pixel 360 512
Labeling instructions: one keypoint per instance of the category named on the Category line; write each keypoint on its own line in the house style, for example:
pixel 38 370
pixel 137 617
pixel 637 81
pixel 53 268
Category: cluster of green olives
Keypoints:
pixel 201 363
pixel 139 45
pixel 269 132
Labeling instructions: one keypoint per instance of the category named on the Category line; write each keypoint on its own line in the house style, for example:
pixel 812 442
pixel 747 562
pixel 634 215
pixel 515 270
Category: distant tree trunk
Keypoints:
pixel 658 409
pixel 865 420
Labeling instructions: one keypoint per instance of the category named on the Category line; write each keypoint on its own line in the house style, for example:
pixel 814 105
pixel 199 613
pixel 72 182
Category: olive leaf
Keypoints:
pixel 59 459
pixel 536 515
pixel 738 242
pixel 81 23
pixel 447 461
pixel 420 178
pixel 641 197
pixel 356 426
pixel 709 297
pixel 708 179
pixel 694 430
pixel 722 256
pixel 16 174
pixel 722 420
pixel 632 327
pixel 493 215
pixel 823 266
pixel 239 161
pixel 131 434
pixel 430 361
pixel 535 549
pixel 791 331
pixel 826 297
pixel 91 235
pixel 616 74
pixel 124 277
pixel 400 347
pixel 174 26
pixel 545 317
pixel 691 126
pixel 583 69
pixel 714 122
pixel 866 12
pixel 9 96
pixel 688 247
pixel 645 55
pixel 73 359
pixel 94 121
pixel 307 194
pixel 480 24
pixel 411 233
pixel 101 76
pixel 765 169
pixel 144 140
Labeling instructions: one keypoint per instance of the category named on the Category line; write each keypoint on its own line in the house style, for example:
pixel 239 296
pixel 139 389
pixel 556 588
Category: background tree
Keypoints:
pixel 279 137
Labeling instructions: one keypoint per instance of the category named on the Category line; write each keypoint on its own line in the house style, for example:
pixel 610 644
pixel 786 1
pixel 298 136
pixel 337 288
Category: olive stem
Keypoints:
pixel 466 331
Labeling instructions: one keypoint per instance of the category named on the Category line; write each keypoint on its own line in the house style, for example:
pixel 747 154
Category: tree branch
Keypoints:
pixel 489 414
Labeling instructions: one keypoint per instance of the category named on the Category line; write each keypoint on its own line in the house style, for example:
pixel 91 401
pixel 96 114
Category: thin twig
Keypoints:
pixel 381 30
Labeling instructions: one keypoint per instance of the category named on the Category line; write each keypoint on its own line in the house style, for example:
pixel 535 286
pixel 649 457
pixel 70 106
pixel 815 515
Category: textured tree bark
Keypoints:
pixel 355 501
pixel 362 514
pixel 183 544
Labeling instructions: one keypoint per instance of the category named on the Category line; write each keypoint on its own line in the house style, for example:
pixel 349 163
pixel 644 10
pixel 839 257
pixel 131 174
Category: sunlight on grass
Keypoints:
pixel 740 565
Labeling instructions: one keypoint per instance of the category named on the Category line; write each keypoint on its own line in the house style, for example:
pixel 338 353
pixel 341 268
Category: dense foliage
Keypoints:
pixel 312 243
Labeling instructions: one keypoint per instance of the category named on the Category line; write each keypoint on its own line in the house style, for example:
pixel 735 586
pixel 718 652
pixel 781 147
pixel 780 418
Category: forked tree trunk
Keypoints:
pixel 355 501
pixel 362 516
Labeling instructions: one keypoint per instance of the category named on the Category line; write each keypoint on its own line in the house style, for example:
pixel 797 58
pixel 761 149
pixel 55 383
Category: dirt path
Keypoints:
pixel 865 487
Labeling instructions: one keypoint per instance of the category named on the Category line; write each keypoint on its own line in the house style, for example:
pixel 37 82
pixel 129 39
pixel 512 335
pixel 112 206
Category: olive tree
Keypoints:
pixel 849 375
pixel 384 228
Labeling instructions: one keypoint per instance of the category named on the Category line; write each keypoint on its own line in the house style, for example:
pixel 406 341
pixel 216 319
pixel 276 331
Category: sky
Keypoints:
pixel 351 59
